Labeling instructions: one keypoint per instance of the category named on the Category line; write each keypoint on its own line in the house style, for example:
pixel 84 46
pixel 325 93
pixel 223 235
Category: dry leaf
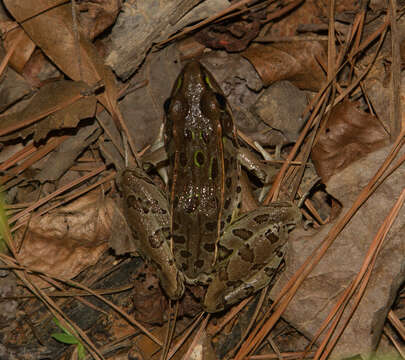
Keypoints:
pixel 65 242
pixel 96 16
pixel 52 29
pixel 23 50
pixel 297 62
pixel 52 99
pixel 349 135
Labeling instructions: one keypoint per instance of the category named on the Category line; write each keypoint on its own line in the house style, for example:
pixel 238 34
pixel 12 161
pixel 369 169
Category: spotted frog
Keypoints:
pixel 195 233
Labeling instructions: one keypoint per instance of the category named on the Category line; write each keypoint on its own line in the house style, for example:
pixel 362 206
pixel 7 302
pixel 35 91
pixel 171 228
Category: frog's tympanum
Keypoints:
pixel 196 235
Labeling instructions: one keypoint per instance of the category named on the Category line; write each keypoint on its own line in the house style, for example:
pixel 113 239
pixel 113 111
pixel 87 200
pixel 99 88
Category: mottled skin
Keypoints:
pixel 235 254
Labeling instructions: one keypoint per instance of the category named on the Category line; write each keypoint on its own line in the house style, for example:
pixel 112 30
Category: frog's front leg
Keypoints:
pixel 251 250
pixel 147 212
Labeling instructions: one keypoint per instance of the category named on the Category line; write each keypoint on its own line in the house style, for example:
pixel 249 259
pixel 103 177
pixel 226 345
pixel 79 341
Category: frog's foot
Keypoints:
pixel 223 291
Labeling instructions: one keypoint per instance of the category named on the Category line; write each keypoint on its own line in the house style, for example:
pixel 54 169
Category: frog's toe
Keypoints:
pixel 172 284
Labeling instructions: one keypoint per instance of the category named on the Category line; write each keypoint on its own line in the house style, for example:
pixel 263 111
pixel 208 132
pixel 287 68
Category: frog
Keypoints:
pixel 195 232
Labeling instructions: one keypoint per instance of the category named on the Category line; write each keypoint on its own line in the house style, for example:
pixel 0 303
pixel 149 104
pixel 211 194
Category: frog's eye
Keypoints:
pixel 166 105
pixel 221 100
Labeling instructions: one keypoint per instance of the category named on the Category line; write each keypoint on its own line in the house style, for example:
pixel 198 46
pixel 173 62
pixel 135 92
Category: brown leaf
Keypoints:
pixel 297 62
pixel 150 304
pixel 23 50
pixel 96 16
pixel 51 99
pixel 51 28
pixel 233 37
pixel 349 135
pixel 68 240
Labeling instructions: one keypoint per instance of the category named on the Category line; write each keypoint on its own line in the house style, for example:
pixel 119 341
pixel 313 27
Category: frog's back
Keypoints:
pixel 202 173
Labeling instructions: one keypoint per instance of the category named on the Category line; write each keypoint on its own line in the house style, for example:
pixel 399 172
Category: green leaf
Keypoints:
pixel 4 228
pixel 60 326
pixel 65 338
pixel 81 351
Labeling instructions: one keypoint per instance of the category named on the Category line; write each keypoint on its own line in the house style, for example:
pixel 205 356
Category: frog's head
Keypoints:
pixel 197 104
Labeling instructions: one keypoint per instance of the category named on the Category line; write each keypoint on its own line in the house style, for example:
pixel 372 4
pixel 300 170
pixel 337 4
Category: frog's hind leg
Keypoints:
pixel 251 250
pixel 222 292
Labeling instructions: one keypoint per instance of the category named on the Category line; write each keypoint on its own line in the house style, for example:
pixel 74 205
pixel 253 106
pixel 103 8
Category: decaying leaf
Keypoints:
pixel 24 48
pixel 64 156
pixel 52 29
pixel 55 104
pixel 13 87
pixel 96 16
pixel 297 62
pixel 232 37
pixel 349 135
pixel 65 242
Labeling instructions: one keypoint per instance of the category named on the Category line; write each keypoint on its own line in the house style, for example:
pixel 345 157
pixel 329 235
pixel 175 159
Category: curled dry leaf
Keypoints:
pixel 13 87
pixel 55 104
pixel 96 16
pixel 349 135
pixel 297 62
pixel 24 48
pixel 65 242
pixel 233 37
pixel 52 29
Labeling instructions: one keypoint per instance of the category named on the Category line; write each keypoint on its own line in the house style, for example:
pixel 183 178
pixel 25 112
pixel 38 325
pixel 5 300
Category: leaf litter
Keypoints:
pixel 63 205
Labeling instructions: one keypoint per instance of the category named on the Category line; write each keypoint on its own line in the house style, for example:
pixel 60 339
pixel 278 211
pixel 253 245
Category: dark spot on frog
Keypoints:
pixel 132 202
pixel 227 123
pixel 261 219
pixel 269 271
pixel 199 158
pixel 246 253
pixel 271 236
pixel 243 234
pixel 211 226
pixel 256 267
pixel 185 254
pixel 179 239
pixel 199 264
pixel 226 164
pixel 229 219
pixel 209 247
pixel 184 267
pixel 279 252
pixel 183 159
pixel 214 168
pixel 227 203
pixel 228 182
pixel 238 189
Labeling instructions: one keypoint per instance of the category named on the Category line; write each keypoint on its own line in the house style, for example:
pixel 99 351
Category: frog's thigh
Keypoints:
pixel 256 244
pixel 149 222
